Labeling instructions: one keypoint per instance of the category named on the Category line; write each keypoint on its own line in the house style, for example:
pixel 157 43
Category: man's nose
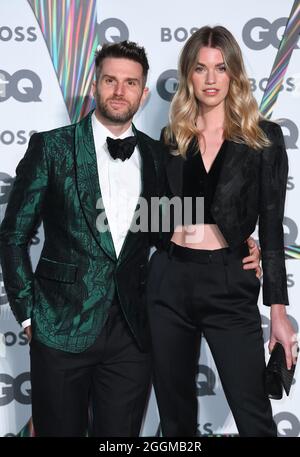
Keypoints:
pixel 119 88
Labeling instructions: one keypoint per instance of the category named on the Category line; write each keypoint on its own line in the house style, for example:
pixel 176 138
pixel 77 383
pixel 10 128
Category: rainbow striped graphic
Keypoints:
pixel 287 45
pixel 69 29
pixel 292 252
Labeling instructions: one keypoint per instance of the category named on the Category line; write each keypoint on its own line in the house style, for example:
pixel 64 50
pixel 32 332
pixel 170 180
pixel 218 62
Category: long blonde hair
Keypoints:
pixel 241 111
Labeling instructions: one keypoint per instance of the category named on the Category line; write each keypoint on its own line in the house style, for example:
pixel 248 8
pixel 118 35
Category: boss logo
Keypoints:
pixel 290 185
pixel 290 84
pixel 112 30
pixel 11 339
pixel 180 34
pixel 204 429
pixel 290 280
pixel 7 137
pixel 6 182
pixel 167 84
pixel 287 424
pixel 259 33
pixel 205 386
pixel 17 34
pixel 24 86
pixel 15 389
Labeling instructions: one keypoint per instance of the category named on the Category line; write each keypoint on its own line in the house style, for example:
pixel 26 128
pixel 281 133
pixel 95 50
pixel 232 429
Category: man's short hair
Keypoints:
pixel 125 50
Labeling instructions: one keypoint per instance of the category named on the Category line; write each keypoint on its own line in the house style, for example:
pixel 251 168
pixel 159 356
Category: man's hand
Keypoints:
pixel 252 261
pixel 28 332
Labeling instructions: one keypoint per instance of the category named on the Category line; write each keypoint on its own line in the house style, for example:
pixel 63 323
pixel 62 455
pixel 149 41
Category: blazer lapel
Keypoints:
pixel 174 171
pixel 230 175
pixel 88 185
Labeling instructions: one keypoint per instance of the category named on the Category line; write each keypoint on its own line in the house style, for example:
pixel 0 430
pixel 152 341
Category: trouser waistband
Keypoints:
pixel 222 256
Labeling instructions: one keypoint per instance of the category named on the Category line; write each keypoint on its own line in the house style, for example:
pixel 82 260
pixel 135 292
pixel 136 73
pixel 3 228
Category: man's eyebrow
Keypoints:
pixel 106 75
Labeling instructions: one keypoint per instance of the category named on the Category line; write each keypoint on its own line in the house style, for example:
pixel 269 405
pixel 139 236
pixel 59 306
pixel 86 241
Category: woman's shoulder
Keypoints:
pixel 274 133
pixel 270 128
pixel 169 145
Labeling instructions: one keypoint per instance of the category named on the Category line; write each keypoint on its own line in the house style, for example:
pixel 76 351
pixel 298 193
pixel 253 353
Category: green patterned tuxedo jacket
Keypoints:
pixel 78 274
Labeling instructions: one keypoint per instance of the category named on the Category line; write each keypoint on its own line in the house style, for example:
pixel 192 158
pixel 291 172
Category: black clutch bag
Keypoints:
pixel 278 377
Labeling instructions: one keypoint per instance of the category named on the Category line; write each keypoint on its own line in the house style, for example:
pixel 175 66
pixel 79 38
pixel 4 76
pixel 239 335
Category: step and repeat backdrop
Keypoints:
pixel 46 69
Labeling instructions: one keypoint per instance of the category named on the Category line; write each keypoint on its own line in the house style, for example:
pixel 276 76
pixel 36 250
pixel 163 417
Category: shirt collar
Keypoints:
pixel 101 132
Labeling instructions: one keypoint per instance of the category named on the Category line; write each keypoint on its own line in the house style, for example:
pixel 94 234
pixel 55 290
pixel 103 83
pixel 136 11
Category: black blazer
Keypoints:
pixel 251 187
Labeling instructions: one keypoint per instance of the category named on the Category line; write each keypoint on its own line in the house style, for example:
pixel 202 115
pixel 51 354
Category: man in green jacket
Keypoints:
pixel 84 305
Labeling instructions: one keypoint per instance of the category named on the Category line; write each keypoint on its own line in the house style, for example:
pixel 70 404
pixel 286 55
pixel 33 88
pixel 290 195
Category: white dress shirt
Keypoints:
pixel 120 184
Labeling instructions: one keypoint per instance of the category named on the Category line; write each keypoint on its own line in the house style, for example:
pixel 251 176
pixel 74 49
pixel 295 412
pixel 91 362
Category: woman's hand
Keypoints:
pixel 283 332
pixel 252 261
pixel 28 332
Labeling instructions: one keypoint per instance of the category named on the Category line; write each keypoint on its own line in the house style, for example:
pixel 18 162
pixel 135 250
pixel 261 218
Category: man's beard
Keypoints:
pixel 109 114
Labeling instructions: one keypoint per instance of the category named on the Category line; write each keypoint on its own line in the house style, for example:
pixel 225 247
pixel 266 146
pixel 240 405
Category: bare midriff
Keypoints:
pixel 199 236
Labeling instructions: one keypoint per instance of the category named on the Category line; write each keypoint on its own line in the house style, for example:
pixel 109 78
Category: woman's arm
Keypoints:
pixel 273 179
pixel 274 171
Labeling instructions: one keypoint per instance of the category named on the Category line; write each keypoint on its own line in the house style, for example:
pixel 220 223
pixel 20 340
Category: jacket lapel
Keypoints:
pixel 88 185
pixel 230 175
pixel 233 162
pixel 174 171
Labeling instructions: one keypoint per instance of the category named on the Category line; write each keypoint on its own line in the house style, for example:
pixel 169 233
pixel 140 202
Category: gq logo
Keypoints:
pixel 205 387
pixel 291 236
pixel 293 133
pixel 112 30
pixel 259 33
pixel 24 86
pixel 15 389
pixel 265 325
pixel 167 84
pixel 287 424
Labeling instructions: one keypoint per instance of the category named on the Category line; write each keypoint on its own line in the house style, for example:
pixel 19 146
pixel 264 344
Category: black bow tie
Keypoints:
pixel 121 149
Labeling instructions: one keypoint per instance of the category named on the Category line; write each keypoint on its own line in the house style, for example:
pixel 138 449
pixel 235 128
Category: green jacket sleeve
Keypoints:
pixel 22 217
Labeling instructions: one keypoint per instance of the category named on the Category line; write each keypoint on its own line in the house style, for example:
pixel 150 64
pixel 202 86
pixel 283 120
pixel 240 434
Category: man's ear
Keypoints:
pixel 144 95
pixel 94 87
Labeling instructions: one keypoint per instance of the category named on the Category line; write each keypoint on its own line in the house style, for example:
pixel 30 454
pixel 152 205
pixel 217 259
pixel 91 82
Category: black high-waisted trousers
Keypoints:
pixel 192 292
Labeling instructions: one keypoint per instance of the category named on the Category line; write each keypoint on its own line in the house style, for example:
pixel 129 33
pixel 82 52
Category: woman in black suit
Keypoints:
pixel 218 148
